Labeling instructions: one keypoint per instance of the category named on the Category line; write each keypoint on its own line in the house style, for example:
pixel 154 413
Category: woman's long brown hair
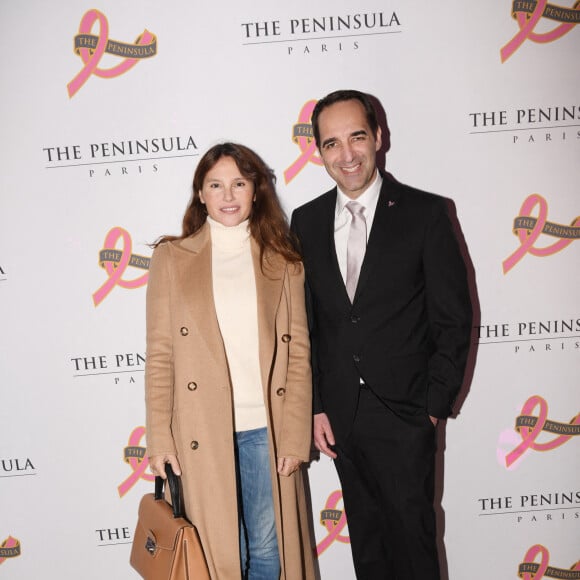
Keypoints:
pixel 268 225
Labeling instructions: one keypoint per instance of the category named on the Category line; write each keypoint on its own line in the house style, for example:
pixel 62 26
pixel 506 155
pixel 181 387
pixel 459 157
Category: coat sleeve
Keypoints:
pixel 296 431
pixel 159 362
pixel 449 312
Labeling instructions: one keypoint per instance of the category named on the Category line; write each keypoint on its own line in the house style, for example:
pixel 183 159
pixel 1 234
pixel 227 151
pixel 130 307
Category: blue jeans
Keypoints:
pixel 258 541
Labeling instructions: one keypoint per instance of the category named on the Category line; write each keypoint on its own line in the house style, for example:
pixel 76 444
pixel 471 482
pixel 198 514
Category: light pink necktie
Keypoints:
pixel 355 249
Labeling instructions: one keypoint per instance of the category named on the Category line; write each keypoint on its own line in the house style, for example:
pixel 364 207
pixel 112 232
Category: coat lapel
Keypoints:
pixel 198 291
pixel 197 287
pixel 269 285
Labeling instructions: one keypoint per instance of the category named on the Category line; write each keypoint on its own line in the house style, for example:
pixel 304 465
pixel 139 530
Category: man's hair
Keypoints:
pixel 340 96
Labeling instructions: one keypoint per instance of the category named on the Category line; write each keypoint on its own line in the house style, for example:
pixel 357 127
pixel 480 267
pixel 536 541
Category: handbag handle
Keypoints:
pixel 174 491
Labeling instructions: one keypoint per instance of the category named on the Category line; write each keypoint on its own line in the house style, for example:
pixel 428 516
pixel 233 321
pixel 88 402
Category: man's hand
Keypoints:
pixel 157 465
pixel 323 436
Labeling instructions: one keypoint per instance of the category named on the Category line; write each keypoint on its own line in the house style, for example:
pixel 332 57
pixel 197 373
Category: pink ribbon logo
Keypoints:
pixel 527 19
pixel 529 569
pixel 529 427
pixel 135 456
pixel 334 520
pixel 528 229
pixel 115 262
pixel 9 548
pixel 91 49
pixel 303 137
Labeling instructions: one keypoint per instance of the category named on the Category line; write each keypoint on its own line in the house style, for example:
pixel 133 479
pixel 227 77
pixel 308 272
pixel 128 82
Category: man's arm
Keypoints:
pixel 449 312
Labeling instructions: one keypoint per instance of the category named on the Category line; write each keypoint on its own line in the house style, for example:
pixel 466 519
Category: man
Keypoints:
pixel 390 320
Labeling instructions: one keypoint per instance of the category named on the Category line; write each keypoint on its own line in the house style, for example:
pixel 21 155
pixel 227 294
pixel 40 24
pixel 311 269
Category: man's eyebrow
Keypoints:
pixel 353 134
pixel 327 141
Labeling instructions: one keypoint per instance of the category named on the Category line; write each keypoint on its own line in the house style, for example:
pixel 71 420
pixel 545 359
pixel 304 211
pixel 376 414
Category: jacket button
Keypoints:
pixel 354 319
pixel 356 358
pixel 192 386
pixel 280 391
pixel 194 445
pixel 184 331
pixel 286 338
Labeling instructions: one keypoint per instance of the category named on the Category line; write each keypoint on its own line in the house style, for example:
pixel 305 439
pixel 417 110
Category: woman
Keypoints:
pixel 228 386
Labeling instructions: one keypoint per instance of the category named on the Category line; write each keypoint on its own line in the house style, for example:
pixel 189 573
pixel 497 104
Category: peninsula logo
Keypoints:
pixel 536 565
pixel 529 427
pixel 532 507
pixel 9 548
pixel 528 229
pixel 134 455
pixel 91 48
pixel 115 262
pixel 303 136
pixel 334 520
pixel 16 467
pixel 119 366
pixel 556 123
pixel 320 34
pixel 528 14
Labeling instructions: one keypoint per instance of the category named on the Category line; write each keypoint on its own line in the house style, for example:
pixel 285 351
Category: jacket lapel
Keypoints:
pixel 327 263
pixel 381 232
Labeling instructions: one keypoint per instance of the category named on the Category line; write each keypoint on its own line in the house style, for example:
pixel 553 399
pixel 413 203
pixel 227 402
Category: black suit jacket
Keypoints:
pixel 407 332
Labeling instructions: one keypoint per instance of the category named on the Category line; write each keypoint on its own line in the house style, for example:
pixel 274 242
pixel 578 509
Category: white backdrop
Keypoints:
pixel 98 154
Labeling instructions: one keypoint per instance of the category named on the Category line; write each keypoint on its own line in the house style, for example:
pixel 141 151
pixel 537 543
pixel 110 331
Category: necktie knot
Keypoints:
pixel 356 209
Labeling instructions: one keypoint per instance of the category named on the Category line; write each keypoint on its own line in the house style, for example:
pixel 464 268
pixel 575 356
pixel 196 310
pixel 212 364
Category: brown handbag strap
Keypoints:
pixel 174 491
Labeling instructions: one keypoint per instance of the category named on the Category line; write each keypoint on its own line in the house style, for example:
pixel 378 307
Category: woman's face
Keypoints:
pixel 227 195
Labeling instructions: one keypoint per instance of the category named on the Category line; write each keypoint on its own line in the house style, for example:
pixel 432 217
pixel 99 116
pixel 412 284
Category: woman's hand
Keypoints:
pixel 157 465
pixel 288 465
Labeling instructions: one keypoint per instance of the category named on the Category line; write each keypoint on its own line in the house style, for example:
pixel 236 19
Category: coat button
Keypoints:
pixel 194 445
pixel 286 338
pixel 184 331
pixel 192 386
pixel 356 358
pixel 354 319
pixel 280 391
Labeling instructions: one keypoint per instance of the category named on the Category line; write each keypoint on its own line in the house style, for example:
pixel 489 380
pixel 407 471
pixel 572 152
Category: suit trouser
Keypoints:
pixel 386 469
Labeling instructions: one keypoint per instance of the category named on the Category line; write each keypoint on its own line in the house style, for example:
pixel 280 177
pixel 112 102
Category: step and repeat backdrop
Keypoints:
pixel 106 109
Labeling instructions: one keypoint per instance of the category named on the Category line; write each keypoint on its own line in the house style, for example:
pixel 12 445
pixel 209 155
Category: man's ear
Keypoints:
pixel 378 139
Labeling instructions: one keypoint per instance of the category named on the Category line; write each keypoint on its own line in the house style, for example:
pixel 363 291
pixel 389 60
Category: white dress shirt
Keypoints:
pixel 343 217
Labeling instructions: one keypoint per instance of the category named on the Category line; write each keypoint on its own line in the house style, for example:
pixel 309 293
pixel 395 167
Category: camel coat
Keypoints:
pixel 189 397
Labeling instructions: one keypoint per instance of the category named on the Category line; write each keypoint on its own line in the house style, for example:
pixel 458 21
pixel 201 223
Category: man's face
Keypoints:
pixel 348 146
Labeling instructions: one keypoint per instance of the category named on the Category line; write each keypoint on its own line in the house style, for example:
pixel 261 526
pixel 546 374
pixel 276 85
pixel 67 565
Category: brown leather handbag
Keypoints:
pixel 166 545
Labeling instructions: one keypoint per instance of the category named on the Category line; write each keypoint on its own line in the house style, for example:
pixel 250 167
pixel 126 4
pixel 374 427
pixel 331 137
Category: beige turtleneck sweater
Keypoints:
pixel 234 290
